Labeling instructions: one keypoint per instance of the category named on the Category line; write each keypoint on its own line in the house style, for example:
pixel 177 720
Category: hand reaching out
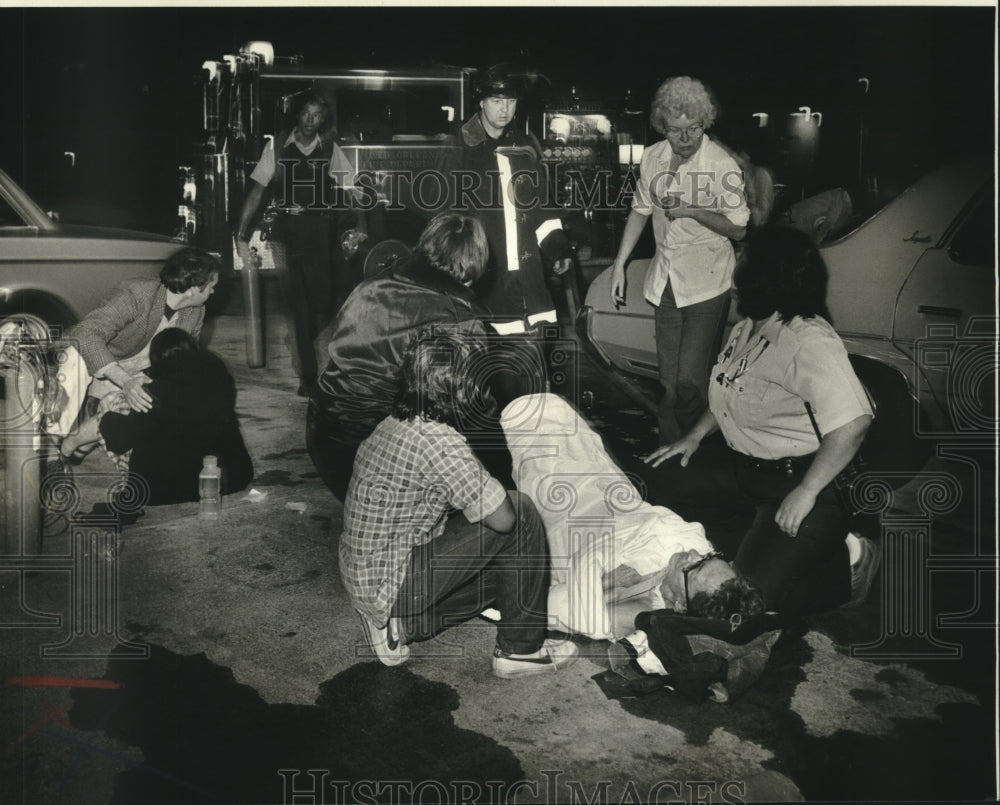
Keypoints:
pixel 684 447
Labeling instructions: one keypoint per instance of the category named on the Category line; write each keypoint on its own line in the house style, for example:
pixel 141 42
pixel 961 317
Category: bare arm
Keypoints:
pixel 250 205
pixel 633 230
pixel 503 519
pixel 835 452
pixel 243 231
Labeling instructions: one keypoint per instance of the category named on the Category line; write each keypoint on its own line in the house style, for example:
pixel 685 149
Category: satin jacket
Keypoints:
pixel 358 387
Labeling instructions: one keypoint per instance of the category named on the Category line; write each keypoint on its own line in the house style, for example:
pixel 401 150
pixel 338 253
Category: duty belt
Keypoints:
pixel 786 466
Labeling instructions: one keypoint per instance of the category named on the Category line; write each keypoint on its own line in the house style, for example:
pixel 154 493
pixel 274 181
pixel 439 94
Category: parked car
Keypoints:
pixel 61 272
pixel 912 291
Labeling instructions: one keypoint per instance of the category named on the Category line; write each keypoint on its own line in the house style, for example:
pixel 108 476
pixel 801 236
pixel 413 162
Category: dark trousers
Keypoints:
pixel 471 567
pixel 315 279
pixel 306 277
pixel 687 341
pixel 736 500
pixel 332 457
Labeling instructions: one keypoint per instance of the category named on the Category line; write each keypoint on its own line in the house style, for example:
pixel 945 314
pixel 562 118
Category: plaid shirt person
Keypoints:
pixel 408 476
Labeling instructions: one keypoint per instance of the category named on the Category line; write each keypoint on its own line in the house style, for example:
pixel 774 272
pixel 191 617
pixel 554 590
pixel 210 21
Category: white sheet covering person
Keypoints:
pixel 595 518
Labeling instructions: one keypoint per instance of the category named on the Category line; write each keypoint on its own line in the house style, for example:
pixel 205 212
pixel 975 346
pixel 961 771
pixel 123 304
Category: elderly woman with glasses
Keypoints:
pixel 693 190
pixel 792 414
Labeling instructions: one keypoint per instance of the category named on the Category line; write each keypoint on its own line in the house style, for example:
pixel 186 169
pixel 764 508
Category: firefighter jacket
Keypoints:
pixel 510 199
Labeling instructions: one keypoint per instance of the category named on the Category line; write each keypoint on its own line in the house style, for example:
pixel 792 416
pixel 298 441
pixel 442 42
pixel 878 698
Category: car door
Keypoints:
pixel 945 316
pixel 952 281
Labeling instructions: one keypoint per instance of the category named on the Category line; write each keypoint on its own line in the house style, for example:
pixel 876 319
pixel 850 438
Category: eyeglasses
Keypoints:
pixel 690 569
pixel 692 131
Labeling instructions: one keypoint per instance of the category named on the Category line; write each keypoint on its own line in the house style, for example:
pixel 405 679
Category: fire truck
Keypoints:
pixel 390 123
pixel 393 123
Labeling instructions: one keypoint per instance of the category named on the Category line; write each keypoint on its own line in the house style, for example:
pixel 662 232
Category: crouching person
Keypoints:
pixel 411 564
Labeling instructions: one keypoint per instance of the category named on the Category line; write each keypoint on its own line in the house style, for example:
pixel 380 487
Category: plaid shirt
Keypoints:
pixel 407 477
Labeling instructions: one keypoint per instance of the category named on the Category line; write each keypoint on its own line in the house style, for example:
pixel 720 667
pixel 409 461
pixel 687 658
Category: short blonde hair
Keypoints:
pixel 455 244
pixel 682 96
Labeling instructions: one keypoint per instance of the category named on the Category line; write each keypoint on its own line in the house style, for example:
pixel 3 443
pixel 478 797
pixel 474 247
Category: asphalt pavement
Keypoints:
pixel 177 661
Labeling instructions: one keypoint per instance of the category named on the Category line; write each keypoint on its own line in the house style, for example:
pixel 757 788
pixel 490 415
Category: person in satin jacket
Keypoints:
pixel 357 389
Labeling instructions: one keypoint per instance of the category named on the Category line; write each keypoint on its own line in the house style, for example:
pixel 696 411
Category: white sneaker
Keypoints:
pixel 553 655
pixel 385 641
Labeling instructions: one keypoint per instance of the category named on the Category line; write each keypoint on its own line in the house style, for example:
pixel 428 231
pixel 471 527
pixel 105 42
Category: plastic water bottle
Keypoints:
pixel 210 489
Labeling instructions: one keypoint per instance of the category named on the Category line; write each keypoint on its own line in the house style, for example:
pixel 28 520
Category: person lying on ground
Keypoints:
pixel 613 554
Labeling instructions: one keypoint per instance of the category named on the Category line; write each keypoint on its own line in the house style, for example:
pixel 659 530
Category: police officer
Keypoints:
pixel 313 267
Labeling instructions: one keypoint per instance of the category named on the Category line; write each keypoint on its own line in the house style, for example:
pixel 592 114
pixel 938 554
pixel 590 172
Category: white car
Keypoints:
pixel 61 272
pixel 912 292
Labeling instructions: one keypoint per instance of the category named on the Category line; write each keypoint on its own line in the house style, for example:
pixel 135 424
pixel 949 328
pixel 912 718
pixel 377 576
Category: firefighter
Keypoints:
pixel 314 219
pixel 501 163
pixel 505 186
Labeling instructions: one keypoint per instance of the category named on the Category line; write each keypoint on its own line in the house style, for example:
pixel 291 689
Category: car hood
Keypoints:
pixel 104 233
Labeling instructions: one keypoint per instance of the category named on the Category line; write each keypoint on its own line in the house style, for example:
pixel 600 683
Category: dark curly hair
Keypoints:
pixel 442 379
pixel 737 595
pixel 169 342
pixel 782 271
pixel 189 268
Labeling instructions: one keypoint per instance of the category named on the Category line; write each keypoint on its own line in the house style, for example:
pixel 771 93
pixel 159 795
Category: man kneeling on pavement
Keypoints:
pixel 411 563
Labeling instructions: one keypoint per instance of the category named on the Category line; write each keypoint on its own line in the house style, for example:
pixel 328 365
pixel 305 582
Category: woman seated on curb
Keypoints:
pixel 792 415
pixel 192 415
pixel 412 570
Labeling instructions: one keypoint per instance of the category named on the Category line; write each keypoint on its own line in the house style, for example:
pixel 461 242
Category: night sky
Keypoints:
pixel 120 87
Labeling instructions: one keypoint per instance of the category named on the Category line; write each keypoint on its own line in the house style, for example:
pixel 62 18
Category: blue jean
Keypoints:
pixel 687 341
pixel 470 567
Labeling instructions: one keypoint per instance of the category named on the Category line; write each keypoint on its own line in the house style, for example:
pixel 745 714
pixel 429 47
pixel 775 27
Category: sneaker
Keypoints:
pixel 385 641
pixel 491 614
pixel 553 655
pixel 863 572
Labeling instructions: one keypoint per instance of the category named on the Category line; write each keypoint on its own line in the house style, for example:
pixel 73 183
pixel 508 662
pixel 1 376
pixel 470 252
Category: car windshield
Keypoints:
pixel 17 209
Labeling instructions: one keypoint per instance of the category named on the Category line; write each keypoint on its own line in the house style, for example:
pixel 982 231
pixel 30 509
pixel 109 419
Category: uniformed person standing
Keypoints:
pixel 501 181
pixel 509 198
pixel 313 268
